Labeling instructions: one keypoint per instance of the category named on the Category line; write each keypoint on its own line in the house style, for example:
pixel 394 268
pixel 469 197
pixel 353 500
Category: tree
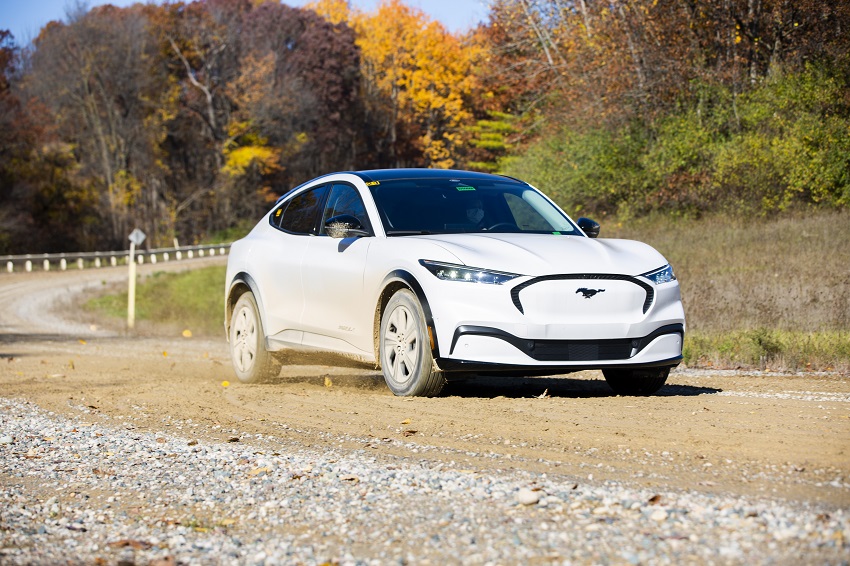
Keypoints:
pixel 98 76
pixel 416 81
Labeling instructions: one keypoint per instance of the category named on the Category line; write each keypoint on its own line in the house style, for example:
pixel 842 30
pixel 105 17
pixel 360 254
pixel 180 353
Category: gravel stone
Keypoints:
pixel 526 496
pixel 75 492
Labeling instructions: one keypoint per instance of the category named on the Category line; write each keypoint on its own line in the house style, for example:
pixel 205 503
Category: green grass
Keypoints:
pixel 191 300
pixel 758 293
pixel 769 349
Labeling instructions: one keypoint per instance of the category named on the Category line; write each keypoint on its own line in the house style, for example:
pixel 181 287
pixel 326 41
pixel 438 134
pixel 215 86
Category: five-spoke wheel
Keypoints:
pixel 405 349
pixel 251 362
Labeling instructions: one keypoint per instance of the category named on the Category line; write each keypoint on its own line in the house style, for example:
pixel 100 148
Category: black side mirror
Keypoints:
pixel 590 227
pixel 344 226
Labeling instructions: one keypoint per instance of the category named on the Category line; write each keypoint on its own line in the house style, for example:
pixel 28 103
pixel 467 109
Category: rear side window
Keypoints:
pixel 298 215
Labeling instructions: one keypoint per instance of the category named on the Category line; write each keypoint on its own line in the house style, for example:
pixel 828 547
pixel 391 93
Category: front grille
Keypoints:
pixel 579 350
pixel 650 292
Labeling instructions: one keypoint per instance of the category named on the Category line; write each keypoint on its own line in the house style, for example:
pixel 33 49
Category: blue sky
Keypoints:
pixel 25 17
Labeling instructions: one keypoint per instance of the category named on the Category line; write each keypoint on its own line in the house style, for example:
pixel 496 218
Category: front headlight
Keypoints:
pixel 661 276
pixel 452 272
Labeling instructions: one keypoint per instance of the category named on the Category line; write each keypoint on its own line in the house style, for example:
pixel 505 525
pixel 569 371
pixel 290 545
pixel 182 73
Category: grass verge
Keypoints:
pixel 768 349
pixel 191 300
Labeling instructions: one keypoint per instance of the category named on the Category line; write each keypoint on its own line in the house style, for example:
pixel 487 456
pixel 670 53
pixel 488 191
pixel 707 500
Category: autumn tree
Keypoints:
pixel 311 77
pixel 416 82
pixel 625 59
pixel 100 78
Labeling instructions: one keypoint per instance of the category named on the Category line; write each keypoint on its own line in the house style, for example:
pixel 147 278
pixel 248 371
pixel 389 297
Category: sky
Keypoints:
pixel 24 18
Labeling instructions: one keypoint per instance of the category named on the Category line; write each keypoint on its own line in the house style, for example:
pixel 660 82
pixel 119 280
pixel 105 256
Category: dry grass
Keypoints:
pixel 759 291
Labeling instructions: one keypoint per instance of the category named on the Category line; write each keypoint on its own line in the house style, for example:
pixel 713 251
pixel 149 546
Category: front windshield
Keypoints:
pixel 452 206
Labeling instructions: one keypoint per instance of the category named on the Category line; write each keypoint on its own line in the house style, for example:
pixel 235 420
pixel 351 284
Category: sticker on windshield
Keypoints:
pixel 465 188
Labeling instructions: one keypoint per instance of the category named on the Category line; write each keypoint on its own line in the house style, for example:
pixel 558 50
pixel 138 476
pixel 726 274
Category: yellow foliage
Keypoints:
pixel 334 11
pixel 126 187
pixel 239 159
pixel 422 69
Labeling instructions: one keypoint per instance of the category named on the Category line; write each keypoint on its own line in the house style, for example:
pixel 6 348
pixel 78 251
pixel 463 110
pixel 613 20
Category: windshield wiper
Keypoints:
pixel 407 232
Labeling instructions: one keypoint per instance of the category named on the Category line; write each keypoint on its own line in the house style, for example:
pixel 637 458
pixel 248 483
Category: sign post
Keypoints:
pixel 136 239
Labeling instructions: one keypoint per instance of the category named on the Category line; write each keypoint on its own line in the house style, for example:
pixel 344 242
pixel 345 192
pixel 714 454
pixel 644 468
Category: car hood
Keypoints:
pixel 545 254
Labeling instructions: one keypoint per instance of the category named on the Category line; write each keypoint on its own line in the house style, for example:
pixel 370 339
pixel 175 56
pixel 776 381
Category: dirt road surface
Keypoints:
pixel 724 433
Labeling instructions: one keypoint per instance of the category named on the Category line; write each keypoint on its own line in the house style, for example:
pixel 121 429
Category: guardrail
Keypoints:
pixel 84 260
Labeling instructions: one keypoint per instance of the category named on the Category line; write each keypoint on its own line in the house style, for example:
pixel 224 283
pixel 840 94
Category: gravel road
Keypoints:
pixel 121 449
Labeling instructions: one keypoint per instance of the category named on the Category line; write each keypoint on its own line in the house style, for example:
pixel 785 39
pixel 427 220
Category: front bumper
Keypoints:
pixel 481 327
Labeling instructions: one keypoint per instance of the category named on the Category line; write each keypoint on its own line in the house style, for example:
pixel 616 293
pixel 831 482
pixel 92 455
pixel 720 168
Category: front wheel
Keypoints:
pixel 405 349
pixel 251 361
pixel 636 381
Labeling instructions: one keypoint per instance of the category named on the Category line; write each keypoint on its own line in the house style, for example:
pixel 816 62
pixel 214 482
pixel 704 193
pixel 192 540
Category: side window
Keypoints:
pixel 344 199
pixel 299 215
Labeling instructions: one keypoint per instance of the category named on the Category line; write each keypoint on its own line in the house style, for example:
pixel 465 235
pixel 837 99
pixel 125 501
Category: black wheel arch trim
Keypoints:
pixel 244 279
pixel 527 346
pixel 408 279
pixel 650 292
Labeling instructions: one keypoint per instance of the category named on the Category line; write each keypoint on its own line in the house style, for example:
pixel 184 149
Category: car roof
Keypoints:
pixel 407 173
pixel 403 174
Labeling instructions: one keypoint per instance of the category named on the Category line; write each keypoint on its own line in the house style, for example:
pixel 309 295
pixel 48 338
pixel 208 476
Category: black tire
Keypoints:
pixel 405 349
pixel 636 381
pixel 252 363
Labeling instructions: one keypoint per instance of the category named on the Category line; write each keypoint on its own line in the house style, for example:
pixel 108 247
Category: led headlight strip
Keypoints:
pixel 452 272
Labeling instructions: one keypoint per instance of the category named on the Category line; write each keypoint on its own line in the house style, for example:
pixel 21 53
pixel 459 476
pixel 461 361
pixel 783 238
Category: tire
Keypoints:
pixel 251 362
pixel 405 349
pixel 636 381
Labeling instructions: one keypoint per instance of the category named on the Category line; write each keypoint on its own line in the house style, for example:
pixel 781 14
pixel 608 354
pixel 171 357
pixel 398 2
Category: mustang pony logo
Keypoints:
pixel 589 293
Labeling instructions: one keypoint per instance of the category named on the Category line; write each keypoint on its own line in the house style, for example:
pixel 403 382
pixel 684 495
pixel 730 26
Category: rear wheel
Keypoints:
pixel 251 362
pixel 636 381
pixel 405 349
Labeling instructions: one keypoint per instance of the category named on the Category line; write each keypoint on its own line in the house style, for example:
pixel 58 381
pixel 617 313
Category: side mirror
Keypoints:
pixel 590 227
pixel 344 226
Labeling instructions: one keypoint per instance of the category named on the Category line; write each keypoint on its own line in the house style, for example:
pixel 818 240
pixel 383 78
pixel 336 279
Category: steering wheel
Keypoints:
pixel 511 226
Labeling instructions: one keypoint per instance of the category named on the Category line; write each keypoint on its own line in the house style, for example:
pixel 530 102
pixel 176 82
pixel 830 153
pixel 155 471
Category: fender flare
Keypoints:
pixel 242 279
pixel 412 283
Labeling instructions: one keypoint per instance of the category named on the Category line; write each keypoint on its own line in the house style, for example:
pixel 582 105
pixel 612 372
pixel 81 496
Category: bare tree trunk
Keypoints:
pixel 636 59
pixel 585 16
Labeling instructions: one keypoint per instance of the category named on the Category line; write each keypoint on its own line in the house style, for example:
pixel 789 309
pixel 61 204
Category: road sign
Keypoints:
pixel 137 237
